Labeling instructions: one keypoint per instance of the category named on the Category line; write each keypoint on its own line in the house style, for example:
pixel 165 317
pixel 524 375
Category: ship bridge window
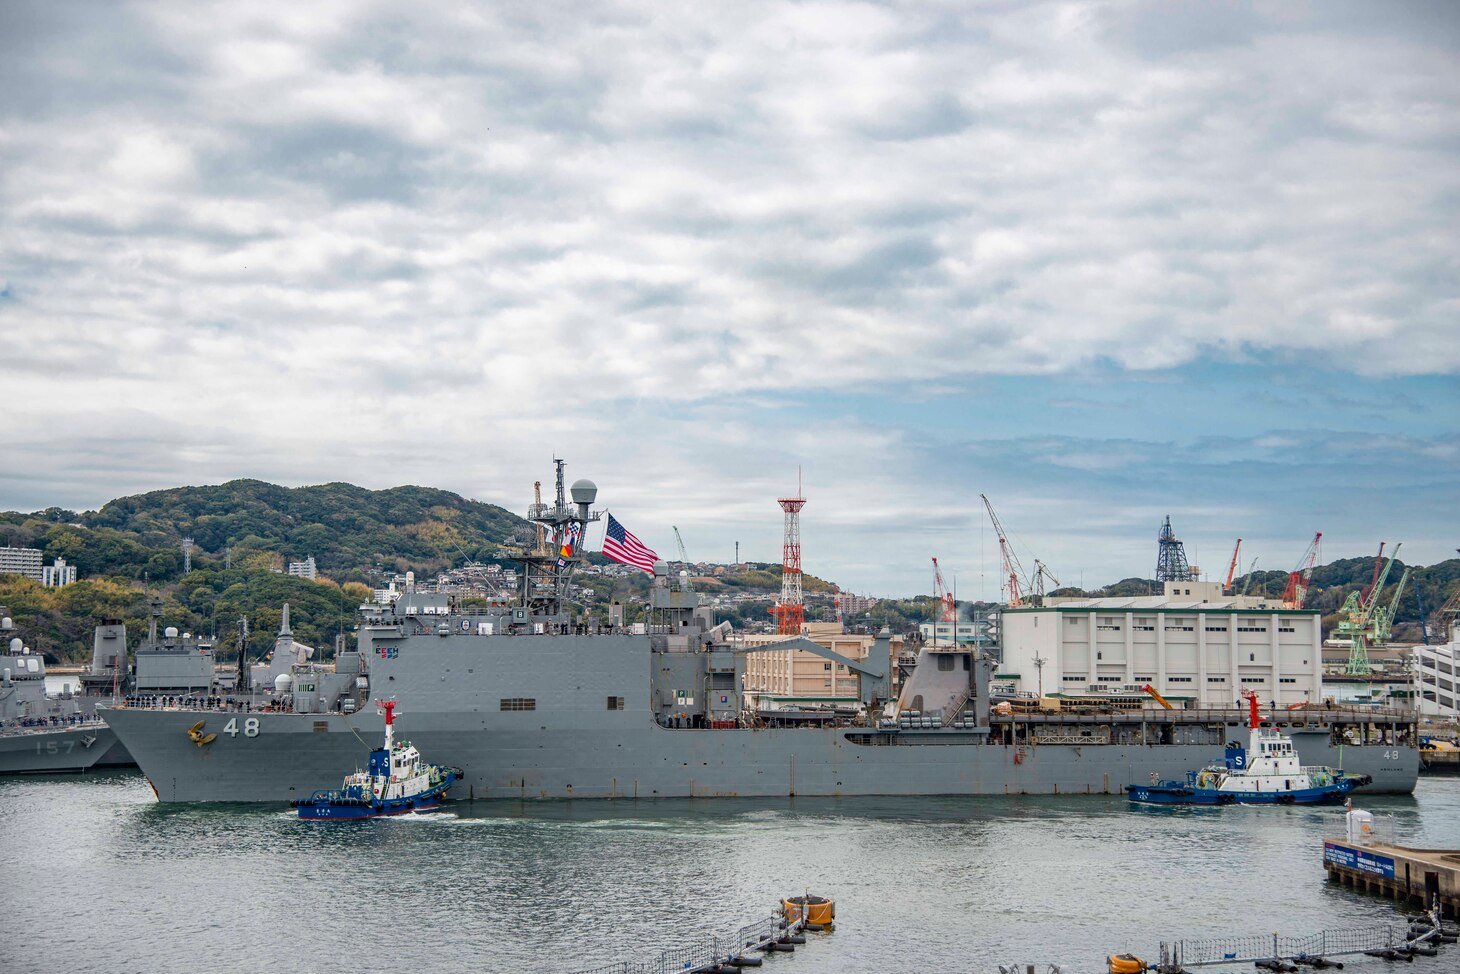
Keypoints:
pixel 519 703
pixel 615 703
pixel 945 663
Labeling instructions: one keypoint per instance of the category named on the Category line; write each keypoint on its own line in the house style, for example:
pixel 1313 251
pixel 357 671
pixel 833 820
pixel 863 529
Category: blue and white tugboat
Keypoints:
pixel 396 782
pixel 1267 773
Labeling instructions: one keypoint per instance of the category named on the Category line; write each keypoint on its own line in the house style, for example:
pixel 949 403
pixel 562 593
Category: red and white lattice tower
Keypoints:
pixel 790 611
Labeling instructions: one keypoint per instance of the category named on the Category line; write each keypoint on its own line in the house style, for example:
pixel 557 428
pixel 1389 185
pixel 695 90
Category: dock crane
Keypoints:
pixel 1364 622
pixel 1247 582
pixel 947 605
pixel 1232 567
pixel 684 582
pixel 1041 572
pixel 1013 571
pixel 1157 697
pixel 1297 591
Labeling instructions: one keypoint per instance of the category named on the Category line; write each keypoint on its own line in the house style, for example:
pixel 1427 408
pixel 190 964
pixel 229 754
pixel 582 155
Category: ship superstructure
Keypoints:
pixel 540 699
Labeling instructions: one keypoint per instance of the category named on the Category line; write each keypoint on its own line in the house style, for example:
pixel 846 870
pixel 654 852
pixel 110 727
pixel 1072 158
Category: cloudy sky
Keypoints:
pixel 1101 261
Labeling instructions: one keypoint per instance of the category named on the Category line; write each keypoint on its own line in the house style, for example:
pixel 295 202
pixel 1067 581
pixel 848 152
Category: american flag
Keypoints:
pixel 623 547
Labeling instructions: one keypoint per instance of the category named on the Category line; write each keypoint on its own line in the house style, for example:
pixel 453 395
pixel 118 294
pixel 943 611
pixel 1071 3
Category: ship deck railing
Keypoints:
pixel 14 728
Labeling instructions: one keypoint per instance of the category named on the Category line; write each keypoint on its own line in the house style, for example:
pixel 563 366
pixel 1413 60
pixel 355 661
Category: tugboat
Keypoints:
pixel 1268 773
pixel 397 781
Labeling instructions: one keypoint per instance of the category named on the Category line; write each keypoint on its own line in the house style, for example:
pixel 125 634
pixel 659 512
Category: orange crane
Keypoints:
pixel 1232 568
pixel 1297 591
pixel 1158 698
pixel 1012 569
pixel 947 605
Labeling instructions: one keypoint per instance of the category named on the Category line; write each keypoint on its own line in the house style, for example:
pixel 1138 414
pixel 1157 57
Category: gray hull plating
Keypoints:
pixel 291 756
pixel 61 750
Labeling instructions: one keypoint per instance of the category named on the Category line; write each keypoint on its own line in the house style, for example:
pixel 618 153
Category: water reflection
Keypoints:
pixel 921 884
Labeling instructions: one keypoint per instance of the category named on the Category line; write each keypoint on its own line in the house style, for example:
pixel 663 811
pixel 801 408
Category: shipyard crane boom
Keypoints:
pixel 947 607
pixel 1012 569
pixel 1297 591
pixel 1378 563
pixel 1247 582
pixel 1232 568
pixel 1363 620
pixel 1041 572
pixel 684 581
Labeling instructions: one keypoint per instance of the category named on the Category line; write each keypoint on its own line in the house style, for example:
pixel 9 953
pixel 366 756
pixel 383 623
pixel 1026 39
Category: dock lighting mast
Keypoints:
pixel 790 611
pixel 1297 591
pixel 1171 563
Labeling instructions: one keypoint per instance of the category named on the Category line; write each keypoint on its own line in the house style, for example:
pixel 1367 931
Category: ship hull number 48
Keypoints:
pixel 250 727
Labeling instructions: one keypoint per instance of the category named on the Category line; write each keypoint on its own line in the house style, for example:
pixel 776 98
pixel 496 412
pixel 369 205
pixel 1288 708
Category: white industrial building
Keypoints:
pixel 58 574
pixel 1192 644
pixel 1438 673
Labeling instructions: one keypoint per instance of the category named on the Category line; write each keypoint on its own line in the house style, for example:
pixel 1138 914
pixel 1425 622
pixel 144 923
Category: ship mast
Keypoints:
pixel 547 572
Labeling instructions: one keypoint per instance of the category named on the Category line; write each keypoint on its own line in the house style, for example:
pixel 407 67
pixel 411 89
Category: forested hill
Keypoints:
pixel 346 528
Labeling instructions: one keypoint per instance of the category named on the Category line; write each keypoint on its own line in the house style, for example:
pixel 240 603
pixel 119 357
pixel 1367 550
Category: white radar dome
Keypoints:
pixel 283 683
pixel 170 632
pixel 584 491
pixel 7 623
pixel 15 646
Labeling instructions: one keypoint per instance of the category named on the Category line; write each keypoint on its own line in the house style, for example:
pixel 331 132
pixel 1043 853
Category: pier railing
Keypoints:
pixel 704 954
pixel 1383 829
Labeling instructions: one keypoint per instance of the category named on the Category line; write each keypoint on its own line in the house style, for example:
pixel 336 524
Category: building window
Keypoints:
pixel 1288 679
pixel 1099 655
pixel 519 703
pixel 1072 620
pixel 1178 679
pixel 614 703
pixel 1074 679
pixel 1179 628
pixel 826 666
pixel 1216 679
pixel 1254 679
pixel 1252 657
pixel 1216 628
pixel 1111 679
pixel 1286 629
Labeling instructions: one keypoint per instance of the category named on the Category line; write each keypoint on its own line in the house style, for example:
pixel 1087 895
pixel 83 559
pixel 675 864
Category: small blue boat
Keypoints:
pixel 396 782
pixel 1267 773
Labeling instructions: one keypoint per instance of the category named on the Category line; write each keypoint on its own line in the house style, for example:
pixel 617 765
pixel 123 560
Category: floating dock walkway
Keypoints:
pixel 783 930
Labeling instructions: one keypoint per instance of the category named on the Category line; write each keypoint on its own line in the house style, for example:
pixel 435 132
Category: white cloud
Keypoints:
pixel 466 235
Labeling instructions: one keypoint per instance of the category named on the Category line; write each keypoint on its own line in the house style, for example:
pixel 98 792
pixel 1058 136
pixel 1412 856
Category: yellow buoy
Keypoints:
pixel 1125 964
pixel 818 909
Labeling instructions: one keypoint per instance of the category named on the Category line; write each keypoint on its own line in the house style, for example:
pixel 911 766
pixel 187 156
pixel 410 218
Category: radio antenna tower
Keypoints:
pixel 1171 557
pixel 790 611
pixel 187 549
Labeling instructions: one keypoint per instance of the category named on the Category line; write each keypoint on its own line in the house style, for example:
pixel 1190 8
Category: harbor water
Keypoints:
pixel 99 877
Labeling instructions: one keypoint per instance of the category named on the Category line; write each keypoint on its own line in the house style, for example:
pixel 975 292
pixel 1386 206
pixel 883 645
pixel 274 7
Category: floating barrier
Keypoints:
pixel 1284 955
pixel 780 932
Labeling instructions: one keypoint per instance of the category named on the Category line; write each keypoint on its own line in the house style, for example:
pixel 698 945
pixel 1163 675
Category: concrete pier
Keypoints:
pixel 1398 872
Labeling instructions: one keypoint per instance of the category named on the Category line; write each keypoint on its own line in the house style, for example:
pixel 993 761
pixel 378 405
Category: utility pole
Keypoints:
pixel 1039 662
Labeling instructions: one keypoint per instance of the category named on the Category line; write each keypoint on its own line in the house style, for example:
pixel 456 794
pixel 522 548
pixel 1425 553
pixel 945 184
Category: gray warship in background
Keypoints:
pixel 46 733
pixel 534 700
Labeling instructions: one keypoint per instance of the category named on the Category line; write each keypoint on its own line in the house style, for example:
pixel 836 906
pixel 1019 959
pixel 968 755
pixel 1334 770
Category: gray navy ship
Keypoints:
pixel 45 733
pixel 534 699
